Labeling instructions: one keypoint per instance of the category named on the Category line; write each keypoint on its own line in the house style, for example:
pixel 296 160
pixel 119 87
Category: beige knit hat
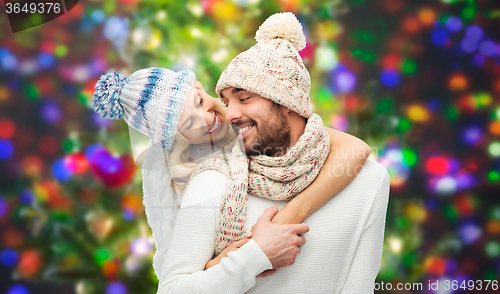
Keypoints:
pixel 273 68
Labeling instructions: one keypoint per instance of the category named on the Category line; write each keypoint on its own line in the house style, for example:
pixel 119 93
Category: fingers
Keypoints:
pixel 301 228
pixel 267 273
pixel 268 214
pixel 241 242
pixel 302 241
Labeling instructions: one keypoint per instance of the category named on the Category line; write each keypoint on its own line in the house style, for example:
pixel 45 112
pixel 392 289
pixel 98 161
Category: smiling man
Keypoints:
pixel 266 91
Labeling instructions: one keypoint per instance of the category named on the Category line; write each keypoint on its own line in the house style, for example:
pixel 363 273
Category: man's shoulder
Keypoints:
pixel 373 171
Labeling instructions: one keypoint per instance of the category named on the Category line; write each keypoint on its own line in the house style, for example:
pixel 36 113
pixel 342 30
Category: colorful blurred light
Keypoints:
pixel 435 265
pixel 76 163
pixel 29 263
pixel 458 82
pixel 454 24
pixel 339 122
pixel 46 60
pixel 427 16
pixel 437 165
pixel 494 149
pixel 9 257
pixel 7 128
pixel 6 149
pixel 440 37
pixel 469 233
pixel 60 171
pixel 418 113
pixel 116 29
pixel 342 80
pixel 4 207
pixel 116 287
pixel 446 185
pixel 141 246
pixel 91 150
pixel 26 197
pixel 50 111
pixel 472 135
pixel 325 58
pixel 33 165
pixel 469 45
pixel 478 60
pixel 390 78
pixel 7 60
pixel 492 249
pixel 18 289
pixel 488 48
pixel 128 214
pixel 474 32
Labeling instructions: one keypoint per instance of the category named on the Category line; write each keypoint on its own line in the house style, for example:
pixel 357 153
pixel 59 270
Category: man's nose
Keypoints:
pixel 233 113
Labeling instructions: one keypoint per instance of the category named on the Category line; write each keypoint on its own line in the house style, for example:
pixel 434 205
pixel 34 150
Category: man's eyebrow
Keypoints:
pixel 234 91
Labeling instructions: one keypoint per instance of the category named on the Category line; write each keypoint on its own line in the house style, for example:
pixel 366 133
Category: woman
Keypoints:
pixel 186 126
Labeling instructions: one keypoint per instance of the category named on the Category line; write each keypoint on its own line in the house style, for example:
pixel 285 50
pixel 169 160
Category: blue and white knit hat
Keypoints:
pixel 150 100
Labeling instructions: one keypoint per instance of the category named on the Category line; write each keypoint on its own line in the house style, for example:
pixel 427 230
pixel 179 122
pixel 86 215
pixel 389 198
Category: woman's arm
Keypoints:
pixel 192 246
pixel 347 156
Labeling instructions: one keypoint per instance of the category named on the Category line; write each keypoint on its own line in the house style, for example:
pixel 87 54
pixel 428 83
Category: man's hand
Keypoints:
pixel 281 243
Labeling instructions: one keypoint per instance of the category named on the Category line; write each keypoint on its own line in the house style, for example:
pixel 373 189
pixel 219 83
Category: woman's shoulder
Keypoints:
pixel 205 188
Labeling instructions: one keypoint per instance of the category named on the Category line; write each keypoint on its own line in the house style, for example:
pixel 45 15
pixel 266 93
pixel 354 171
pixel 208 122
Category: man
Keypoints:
pixel 266 92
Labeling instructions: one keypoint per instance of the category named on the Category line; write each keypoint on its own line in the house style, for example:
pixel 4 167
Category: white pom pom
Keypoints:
pixel 282 26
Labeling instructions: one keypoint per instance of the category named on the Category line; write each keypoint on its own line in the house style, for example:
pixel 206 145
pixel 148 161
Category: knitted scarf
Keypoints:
pixel 275 178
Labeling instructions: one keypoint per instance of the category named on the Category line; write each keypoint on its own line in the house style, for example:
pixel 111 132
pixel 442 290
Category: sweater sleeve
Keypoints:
pixel 192 246
pixel 366 261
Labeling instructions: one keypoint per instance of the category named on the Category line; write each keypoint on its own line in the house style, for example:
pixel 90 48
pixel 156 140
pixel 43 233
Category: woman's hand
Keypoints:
pixel 288 215
pixel 233 247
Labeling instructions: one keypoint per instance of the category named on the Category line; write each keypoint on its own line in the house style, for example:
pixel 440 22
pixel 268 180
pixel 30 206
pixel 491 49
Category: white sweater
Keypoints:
pixel 343 246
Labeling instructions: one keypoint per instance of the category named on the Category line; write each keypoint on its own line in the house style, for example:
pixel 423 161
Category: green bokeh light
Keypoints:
pixel 492 249
pixel 494 149
pixel 61 51
pixel 364 55
pixel 102 255
pixel 409 157
pixel 404 125
pixel 32 92
pixel 409 67
pixel 493 176
pixel 468 13
pixel 385 105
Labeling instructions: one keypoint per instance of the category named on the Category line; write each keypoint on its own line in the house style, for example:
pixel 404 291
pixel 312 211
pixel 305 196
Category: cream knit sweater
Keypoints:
pixel 342 252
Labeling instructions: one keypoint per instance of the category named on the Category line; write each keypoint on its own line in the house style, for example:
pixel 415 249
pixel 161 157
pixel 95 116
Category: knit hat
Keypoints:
pixel 150 100
pixel 273 67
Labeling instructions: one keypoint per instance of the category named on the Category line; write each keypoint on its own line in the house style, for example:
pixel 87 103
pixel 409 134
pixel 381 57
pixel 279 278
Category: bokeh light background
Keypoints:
pixel 417 80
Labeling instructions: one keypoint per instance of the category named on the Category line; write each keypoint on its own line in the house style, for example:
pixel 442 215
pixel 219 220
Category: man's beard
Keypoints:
pixel 271 138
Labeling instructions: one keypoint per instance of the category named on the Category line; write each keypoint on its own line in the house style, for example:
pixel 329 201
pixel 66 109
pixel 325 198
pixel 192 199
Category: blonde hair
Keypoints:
pixel 181 163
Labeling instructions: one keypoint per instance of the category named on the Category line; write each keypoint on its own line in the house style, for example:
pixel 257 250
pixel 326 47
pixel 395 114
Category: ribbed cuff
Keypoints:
pixel 253 258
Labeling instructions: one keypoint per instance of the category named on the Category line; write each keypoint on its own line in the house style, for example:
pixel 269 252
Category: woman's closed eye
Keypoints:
pixel 244 99
pixel 201 101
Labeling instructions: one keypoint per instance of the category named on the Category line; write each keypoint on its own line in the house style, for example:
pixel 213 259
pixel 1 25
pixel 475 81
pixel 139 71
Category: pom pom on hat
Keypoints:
pixel 106 97
pixel 282 26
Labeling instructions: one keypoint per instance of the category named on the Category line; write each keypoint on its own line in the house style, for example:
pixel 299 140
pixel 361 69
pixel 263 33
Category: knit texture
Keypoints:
pixel 343 249
pixel 150 100
pixel 273 67
pixel 275 178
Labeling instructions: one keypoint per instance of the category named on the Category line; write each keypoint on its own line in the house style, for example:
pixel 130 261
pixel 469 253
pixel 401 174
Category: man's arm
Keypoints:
pixel 366 261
